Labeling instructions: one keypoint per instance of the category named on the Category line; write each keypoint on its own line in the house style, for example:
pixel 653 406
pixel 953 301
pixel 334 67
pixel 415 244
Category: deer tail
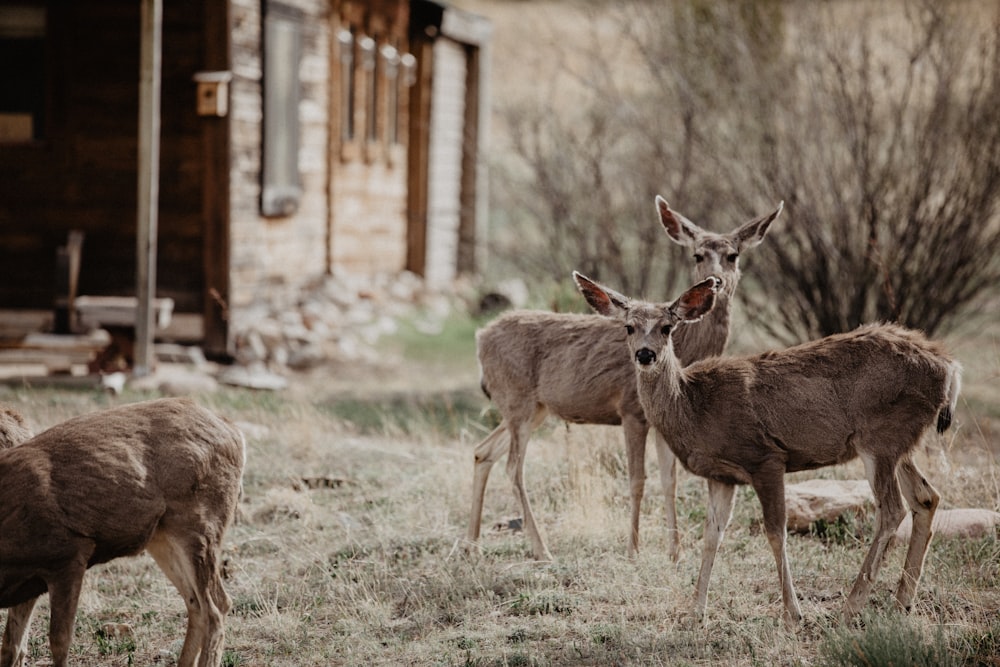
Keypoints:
pixel 953 384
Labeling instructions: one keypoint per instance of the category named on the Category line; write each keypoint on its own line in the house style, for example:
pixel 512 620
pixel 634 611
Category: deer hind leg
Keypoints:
pixel 888 514
pixel 668 479
pixel 923 500
pixel 190 559
pixel 520 431
pixel 15 634
pixel 488 452
pixel 635 454
pixel 721 497
pixel 771 492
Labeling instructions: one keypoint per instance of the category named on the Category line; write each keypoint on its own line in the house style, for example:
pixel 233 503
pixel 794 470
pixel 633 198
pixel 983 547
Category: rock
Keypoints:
pixel 252 377
pixel 334 319
pixel 825 499
pixel 828 500
pixel 172 379
pixel 493 302
pixel 968 523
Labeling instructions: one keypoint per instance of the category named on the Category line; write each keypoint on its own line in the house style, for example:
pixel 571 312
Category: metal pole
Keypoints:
pixel 151 43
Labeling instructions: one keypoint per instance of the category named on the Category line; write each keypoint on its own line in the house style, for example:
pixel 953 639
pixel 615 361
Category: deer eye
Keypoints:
pixel 629 329
pixel 665 330
pixel 732 257
pixel 699 258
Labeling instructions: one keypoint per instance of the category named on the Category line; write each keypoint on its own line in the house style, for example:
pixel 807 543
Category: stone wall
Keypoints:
pixel 351 219
pixel 274 258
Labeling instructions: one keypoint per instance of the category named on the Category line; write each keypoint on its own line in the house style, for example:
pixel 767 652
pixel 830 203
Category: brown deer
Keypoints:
pixel 870 393
pixel 162 475
pixel 574 366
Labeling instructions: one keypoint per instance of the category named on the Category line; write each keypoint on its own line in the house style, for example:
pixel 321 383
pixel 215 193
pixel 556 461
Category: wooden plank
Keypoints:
pixel 56 352
pixel 101 311
pixel 95 340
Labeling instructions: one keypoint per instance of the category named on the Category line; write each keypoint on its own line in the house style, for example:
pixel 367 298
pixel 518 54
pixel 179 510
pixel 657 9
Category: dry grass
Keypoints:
pixel 348 548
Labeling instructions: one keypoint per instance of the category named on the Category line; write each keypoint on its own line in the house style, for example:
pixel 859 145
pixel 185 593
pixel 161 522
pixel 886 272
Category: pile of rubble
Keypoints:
pixel 338 319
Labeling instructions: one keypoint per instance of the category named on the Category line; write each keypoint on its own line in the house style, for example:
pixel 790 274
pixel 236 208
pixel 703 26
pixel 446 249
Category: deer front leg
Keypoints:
pixel 888 514
pixel 771 492
pixel 64 596
pixel 668 479
pixel 635 452
pixel 15 634
pixel 721 497
pixel 923 500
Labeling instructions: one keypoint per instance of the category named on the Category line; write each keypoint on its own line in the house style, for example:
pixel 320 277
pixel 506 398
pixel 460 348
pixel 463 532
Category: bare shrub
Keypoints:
pixel 888 155
pixel 874 122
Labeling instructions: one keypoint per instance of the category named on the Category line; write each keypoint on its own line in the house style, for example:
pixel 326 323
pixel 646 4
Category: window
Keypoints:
pixel 345 45
pixel 22 73
pixel 281 190
pixel 369 65
pixel 372 77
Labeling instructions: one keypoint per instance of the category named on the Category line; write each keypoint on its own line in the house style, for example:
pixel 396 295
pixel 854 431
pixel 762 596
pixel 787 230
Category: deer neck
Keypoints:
pixel 708 337
pixel 663 396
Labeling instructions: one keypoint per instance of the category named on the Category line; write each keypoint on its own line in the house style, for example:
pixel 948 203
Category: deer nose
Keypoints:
pixel 645 356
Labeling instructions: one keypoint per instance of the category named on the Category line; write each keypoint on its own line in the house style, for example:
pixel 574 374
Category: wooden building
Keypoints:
pixel 296 139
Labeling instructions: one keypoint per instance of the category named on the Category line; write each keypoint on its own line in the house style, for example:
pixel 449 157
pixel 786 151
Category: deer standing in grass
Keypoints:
pixel 870 393
pixel 575 367
pixel 163 475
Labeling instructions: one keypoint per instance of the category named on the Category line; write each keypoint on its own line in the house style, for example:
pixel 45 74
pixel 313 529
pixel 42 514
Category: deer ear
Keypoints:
pixel 678 228
pixel 698 301
pixel 605 301
pixel 752 233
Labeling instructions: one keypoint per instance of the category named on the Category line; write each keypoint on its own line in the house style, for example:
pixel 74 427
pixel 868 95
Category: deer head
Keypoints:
pixel 648 326
pixel 715 254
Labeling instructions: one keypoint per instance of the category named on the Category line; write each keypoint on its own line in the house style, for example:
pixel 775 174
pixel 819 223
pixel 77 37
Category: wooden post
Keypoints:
pixel 151 42
pixel 215 207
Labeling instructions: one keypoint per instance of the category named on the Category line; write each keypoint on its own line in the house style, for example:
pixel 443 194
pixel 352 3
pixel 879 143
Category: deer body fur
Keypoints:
pixel 576 367
pixel 162 475
pixel 870 393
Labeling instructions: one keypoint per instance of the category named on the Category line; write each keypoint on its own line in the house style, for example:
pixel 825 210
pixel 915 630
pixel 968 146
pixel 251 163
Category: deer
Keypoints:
pixel 536 363
pixel 163 476
pixel 870 393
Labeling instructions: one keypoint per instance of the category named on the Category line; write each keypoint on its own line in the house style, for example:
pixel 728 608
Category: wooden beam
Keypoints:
pixel 215 205
pixel 151 46
pixel 418 155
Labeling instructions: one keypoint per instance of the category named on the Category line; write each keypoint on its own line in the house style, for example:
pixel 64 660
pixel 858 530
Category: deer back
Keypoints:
pixel 97 486
pixel 811 405
pixel 576 365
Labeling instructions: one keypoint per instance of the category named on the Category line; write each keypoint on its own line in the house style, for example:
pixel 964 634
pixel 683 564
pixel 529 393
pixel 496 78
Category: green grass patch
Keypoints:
pixel 445 413
pixel 449 342
pixel 885 640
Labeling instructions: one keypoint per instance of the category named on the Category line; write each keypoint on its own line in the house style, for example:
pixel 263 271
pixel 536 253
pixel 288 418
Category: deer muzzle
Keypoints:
pixel 645 356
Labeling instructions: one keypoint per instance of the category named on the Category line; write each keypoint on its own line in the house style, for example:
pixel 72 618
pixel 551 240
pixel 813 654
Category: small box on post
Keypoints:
pixel 213 92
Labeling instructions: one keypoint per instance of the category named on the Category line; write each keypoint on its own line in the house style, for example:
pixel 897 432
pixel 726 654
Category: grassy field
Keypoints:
pixel 348 549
